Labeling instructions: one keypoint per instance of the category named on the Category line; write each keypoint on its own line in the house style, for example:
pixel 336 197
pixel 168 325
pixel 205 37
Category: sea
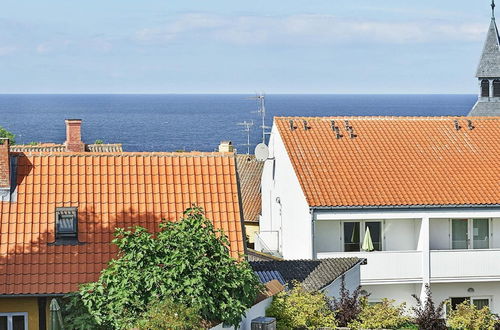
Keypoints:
pixel 196 122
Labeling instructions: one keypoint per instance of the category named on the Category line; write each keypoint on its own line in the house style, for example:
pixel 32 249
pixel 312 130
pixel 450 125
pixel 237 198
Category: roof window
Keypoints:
pixel 66 223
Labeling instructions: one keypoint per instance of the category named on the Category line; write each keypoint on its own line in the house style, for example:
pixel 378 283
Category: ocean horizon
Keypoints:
pixel 170 122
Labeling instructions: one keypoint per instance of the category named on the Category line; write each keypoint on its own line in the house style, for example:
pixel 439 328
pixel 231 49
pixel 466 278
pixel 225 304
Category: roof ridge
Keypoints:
pixel 127 154
pixel 438 118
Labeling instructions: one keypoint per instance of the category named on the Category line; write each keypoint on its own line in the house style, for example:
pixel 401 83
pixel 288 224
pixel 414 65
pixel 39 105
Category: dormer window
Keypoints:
pixel 66 223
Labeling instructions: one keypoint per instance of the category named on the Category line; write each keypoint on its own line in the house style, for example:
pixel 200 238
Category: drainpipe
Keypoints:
pixel 313 234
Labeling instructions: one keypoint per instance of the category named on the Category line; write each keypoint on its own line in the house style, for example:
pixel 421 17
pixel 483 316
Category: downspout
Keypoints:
pixel 313 234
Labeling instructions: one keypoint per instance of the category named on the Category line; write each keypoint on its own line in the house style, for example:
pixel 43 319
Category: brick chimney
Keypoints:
pixel 4 169
pixel 74 141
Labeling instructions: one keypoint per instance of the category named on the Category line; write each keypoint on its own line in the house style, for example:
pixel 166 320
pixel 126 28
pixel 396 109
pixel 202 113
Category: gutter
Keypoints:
pixel 404 207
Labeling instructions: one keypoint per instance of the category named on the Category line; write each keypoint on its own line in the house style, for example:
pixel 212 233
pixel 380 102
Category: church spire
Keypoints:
pixel 493 9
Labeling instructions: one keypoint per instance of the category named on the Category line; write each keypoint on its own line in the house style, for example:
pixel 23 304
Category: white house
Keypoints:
pixel 427 188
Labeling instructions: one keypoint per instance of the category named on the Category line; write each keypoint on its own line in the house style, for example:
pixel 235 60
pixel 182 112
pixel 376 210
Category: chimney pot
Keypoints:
pixel 74 141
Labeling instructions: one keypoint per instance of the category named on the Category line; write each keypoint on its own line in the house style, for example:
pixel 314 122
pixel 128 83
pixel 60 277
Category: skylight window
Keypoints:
pixel 66 223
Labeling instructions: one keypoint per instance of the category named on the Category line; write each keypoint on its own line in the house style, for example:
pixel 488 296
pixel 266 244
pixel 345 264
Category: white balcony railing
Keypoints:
pixel 385 266
pixel 465 265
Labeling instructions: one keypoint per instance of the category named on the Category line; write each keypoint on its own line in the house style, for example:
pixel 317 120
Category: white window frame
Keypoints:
pixel 9 316
pixel 490 299
pixel 362 233
pixel 470 228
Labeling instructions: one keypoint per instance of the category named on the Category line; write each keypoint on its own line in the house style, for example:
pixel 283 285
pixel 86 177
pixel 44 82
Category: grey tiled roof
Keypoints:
pixel 313 274
pixel 489 65
pixel 485 109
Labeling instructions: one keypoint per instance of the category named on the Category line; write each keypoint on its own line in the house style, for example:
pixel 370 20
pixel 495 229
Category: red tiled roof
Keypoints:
pixel 395 161
pixel 250 173
pixel 110 190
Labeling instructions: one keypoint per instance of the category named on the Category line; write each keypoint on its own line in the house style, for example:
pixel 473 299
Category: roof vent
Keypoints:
pixel 336 129
pixel 457 125
pixel 292 125
pixel 349 129
pixel 306 127
pixel 470 125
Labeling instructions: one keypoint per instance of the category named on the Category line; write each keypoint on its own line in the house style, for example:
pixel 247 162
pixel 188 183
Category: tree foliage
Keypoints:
pixel 468 317
pixel 188 262
pixel 427 315
pixel 300 309
pixel 384 315
pixel 169 315
pixel 6 134
pixel 75 314
pixel 348 306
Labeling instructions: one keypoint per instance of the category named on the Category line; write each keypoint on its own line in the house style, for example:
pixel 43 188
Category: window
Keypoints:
pixel 479 302
pixel 66 223
pixel 355 233
pixel 496 88
pixel 13 321
pixel 470 234
pixel 485 88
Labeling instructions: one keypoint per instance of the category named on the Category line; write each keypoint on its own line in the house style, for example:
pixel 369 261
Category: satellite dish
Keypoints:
pixel 261 152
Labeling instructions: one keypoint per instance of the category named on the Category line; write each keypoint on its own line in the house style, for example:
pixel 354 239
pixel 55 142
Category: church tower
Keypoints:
pixel 488 73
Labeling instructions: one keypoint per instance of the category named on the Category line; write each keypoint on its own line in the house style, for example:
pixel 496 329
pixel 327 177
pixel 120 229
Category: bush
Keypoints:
pixel 76 316
pixel 168 315
pixel 468 317
pixel 6 134
pixel 98 141
pixel 427 315
pixel 300 309
pixel 348 307
pixel 380 316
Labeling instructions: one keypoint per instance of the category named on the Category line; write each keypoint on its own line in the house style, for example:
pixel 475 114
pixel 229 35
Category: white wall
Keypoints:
pixel 400 234
pixel 255 311
pixel 439 234
pixel 328 236
pixel 495 238
pixel 352 282
pixel 400 293
pixel 290 217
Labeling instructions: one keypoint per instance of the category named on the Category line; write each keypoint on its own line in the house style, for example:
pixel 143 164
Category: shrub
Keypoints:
pixel 98 141
pixel 468 317
pixel 384 315
pixel 169 315
pixel 347 307
pixel 76 316
pixel 6 134
pixel 427 315
pixel 300 309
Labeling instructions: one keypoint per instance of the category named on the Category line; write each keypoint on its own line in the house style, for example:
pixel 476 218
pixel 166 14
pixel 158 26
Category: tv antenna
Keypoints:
pixel 261 101
pixel 247 125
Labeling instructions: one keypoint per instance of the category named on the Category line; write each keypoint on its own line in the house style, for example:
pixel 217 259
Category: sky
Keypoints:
pixel 234 46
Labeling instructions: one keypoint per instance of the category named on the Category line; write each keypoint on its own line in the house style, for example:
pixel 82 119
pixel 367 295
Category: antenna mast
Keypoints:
pixel 247 127
pixel 261 100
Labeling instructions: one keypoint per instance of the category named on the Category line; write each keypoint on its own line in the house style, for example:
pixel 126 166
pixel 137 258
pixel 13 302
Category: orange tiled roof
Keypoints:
pixel 110 190
pixel 53 147
pixel 250 173
pixel 395 161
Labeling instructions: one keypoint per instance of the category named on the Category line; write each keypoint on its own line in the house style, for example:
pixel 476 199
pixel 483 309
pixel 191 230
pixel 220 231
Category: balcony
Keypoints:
pixel 386 266
pixel 465 265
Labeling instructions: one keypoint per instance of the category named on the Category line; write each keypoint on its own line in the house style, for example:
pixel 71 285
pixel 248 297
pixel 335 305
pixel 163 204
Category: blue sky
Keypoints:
pixel 231 46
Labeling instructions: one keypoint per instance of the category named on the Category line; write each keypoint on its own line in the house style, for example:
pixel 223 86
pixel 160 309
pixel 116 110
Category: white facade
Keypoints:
pixel 455 250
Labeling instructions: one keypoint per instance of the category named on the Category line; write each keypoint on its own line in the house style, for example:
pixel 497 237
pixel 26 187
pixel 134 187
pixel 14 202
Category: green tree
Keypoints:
pixel 384 315
pixel 300 309
pixel 187 261
pixel 467 317
pixel 6 134
pixel 169 315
